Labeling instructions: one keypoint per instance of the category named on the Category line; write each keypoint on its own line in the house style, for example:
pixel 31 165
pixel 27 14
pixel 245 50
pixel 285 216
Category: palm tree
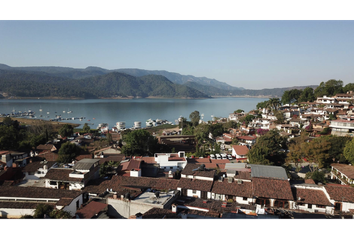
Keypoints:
pixel 274 103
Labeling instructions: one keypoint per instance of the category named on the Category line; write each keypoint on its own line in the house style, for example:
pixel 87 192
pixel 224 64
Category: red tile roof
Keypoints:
pixel 241 190
pixel 272 188
pixel 188 170
pixel 62 174
pixel 240 150
pixel 310 196
pixel 348 170
pixel 91 209
pixel 340 193
pixel 195 184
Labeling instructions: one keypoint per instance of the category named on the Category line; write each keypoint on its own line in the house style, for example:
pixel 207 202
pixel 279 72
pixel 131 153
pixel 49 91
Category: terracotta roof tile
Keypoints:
pixel 310 196
pixel 160 213
pixel 195 184
pixel 188 170
pixel 340 193
pixel 91 209
pixel 241 190
pixel 240 150
pixel 37 192
pixel 272 188
pixel 62 174
pixel 345 169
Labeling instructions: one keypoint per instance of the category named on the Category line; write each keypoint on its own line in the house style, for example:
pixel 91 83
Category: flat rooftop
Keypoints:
pixel 149 198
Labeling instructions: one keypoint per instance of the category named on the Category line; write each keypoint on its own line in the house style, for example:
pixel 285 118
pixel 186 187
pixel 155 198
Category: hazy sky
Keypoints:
pixel 249 54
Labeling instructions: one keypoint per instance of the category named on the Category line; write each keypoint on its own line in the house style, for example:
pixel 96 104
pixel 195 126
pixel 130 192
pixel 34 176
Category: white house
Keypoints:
pixel 73 177
pixel 18 201
pixel 171 161
pixel 240 153
pixel 312 198
pixel 342 197
pixel 196 181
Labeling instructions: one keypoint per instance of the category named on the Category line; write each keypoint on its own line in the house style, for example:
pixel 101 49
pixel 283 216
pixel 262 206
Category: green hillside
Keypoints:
pixel 34 84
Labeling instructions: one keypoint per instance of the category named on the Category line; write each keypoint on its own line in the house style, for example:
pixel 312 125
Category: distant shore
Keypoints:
pixel 129 97
pixel 27 121
pixel 243 96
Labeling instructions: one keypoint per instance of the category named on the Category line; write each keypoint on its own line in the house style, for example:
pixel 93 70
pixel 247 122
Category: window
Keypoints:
pixel 77 204
pixel 194 191
pixel 309 205
pixel 171 167
pixel 244 198
pixel 52 183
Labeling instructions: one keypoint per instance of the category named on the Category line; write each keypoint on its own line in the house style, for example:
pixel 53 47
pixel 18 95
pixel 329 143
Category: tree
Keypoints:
pixel 349 151
pixel 316 152
pixel 329 88
pixel 139 142
pixel 194 117
pixel 349 87
pixel 280 117
pixel 267 149
pixel 60 214
pixel 66 130
pixel 261 105
pixel 274 103
pixel 86 128
pixel 67 152
pixel 307 95
pixel 336 152
pixel 239 111
pixel 297 149
pixel 291 96
pixel 41 210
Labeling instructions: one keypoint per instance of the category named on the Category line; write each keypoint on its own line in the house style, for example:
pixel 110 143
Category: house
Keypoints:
pixel 11 175
pixel 196 181
pixel 10 157
pixel 130 168
pixel 311 198
pixel 240 153
pixel 341 127
pixel 37 168
pixel 248 140
pixel 18 201
pixel 341 197
pixel 92 210
pixel 130 195
pixel 72 177
pixel 171 161
pixel 343 173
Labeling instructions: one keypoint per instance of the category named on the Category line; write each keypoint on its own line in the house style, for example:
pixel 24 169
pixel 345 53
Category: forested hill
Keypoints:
pixel 34 84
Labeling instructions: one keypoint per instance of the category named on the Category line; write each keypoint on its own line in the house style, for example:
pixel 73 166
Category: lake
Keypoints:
pixel 111 111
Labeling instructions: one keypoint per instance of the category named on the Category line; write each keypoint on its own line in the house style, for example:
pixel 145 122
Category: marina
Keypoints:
pixel 129 113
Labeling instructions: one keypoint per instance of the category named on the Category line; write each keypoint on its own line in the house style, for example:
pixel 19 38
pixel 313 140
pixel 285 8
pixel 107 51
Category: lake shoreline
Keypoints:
pixel 129 98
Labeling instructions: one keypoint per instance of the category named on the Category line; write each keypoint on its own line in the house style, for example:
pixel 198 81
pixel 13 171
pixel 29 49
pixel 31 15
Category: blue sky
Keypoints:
pixel 249 54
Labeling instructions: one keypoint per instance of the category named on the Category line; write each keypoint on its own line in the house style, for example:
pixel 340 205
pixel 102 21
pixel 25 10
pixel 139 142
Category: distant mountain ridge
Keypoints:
pixel 204 85
pixel 111 85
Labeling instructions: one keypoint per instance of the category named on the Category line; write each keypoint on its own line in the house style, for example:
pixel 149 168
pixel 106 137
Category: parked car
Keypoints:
pixel 223 156
pixel 218 156
pixel 212 156
pixel 229 157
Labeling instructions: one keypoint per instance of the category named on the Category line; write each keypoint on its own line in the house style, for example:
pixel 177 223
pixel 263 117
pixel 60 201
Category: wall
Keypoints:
pixel 72 206
pixel 15 213
pixel 126 208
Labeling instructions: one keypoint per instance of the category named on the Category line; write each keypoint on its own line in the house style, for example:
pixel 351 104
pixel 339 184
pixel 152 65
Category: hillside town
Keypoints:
pixel 226 168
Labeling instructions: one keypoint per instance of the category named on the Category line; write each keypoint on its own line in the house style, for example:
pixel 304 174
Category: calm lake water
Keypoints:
pixel 128 110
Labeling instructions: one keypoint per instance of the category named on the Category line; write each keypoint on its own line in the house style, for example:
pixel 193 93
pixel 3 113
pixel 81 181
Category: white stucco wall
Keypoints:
pixel 14 213
pixel 72 206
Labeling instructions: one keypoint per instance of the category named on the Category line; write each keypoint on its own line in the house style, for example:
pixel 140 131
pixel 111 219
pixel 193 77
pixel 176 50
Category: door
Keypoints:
pixel 204 195
pixel 338 206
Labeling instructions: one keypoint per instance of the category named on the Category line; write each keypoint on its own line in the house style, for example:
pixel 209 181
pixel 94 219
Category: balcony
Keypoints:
pixel 338 176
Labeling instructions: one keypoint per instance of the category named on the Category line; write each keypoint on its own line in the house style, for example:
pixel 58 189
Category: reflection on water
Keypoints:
pixel 127 110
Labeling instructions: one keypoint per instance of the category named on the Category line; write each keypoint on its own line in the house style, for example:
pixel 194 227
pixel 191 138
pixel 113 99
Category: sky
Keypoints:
pixel 253 54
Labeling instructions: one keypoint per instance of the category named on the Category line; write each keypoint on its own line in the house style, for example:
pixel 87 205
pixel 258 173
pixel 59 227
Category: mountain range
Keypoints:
pixel 96 82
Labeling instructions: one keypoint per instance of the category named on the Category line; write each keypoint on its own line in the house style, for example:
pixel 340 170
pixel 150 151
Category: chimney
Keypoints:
pixel 174 208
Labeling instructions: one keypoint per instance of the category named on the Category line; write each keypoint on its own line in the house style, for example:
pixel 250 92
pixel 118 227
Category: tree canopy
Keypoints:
pixel 194 117
pixel 67 152
pixel 66 130
pixel 267 149
pixel 138 142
